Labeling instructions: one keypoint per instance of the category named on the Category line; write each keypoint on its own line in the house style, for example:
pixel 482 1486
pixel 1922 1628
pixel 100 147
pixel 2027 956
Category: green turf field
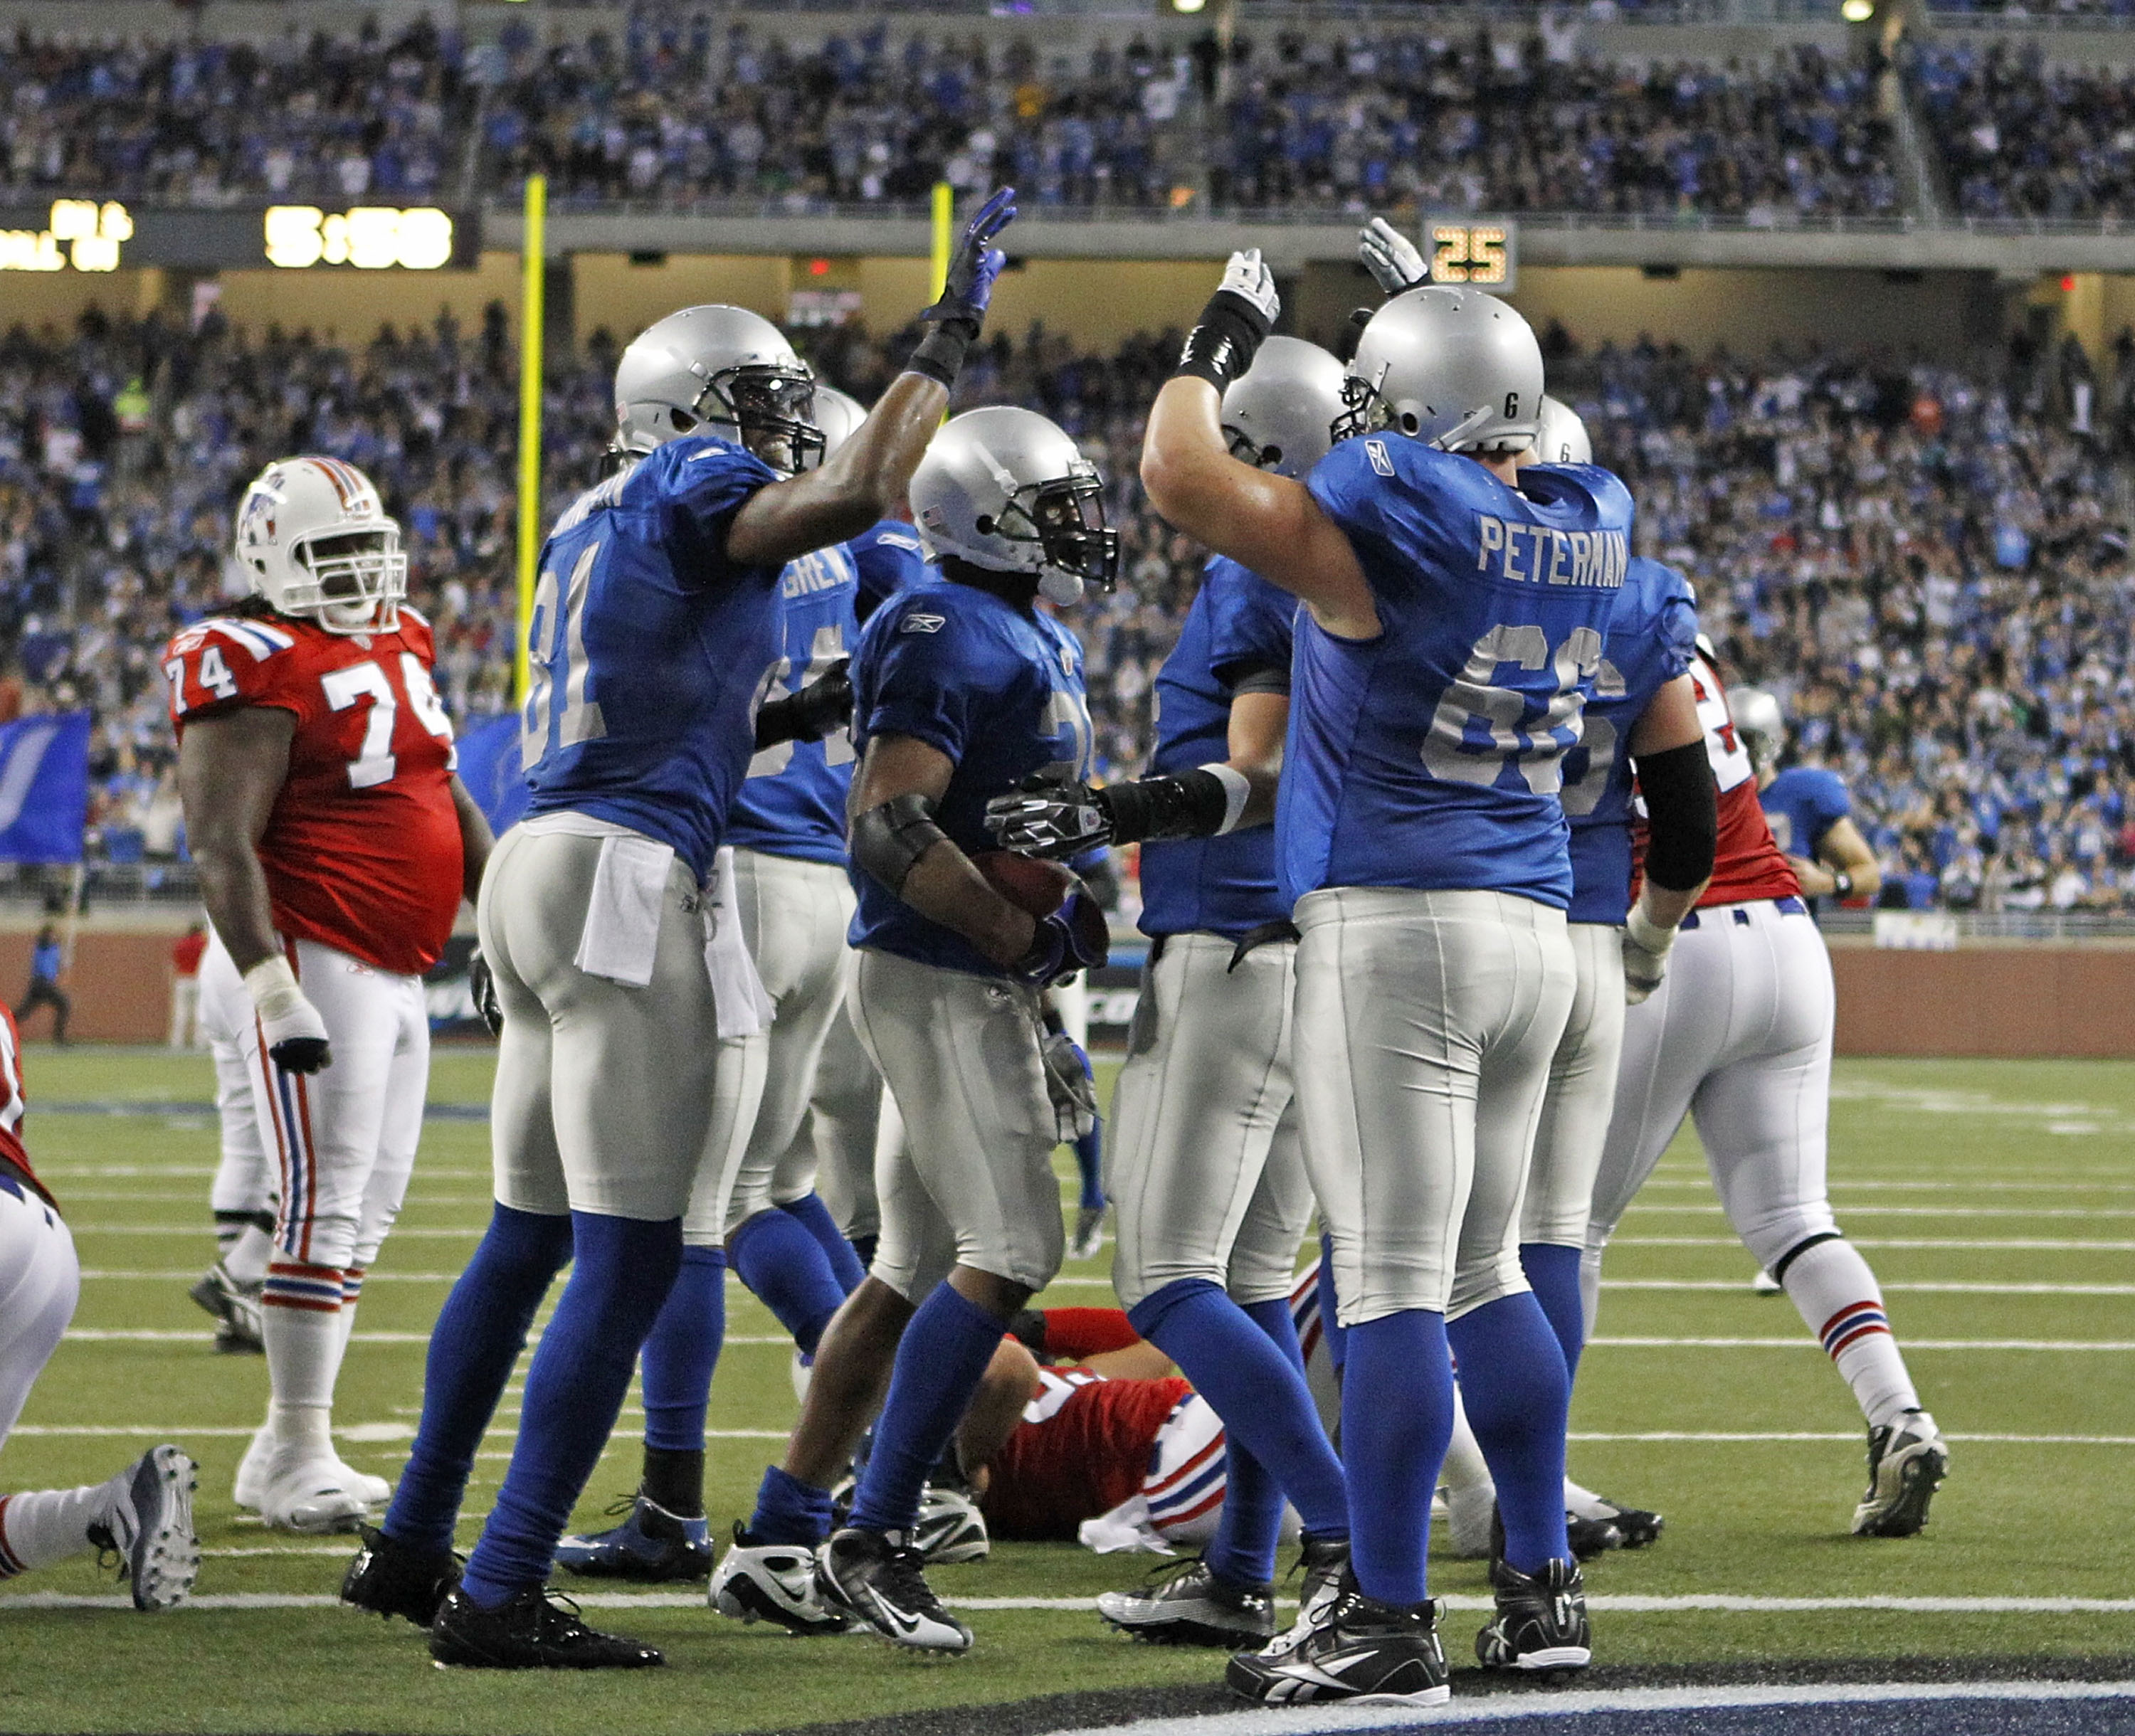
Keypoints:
pixel 1996 1200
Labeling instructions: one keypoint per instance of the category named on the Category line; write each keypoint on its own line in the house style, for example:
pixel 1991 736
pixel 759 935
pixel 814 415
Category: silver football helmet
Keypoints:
pixel 1278 414
pixel 1008 490
pixel 838 415
pixel 1759 721
pixel 1561 439
pixel 313 539
pixel 723 371
pixel 1455 368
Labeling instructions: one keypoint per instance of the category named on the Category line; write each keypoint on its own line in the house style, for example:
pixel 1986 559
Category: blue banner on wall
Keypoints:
pixel 44 787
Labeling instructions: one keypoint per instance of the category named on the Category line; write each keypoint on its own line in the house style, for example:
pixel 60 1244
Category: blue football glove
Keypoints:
pixel 975 263
pixel 1075 937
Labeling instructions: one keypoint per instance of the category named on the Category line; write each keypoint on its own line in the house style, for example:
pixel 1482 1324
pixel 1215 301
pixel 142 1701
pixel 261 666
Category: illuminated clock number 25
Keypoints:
pixel 1463 253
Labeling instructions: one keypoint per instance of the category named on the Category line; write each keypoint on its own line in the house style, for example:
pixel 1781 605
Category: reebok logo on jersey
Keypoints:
pixel 921 622
pixel 1382 459
pixel 1541 554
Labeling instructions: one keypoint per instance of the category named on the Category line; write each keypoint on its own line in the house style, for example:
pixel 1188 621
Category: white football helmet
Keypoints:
pixel 1561 437
pixel 1455 368
pixel 1008 490
pixel 1759 721
pixel 838 415
pixel 723 371
pixel 314 539
pixel 1278 414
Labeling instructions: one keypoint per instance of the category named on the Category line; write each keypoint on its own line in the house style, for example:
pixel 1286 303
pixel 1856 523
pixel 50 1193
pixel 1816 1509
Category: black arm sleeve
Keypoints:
pixel 1682 816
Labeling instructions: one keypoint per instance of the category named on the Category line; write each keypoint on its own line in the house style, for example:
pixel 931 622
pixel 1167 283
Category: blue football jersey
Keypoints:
pixel 792 801
pixel 1239 624
pixel 995 688
pixel 1650 639
pixel 1430 755
pixel 889 557
pixel 649 650
pixel 1803 803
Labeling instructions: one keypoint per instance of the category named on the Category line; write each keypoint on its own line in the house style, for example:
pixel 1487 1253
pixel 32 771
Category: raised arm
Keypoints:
pixel 1268 523
pixel 866 477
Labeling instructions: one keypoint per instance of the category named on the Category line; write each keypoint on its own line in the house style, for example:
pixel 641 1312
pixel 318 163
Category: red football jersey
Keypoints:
pixel 1082 1448
pixel 10 1102
pixel 1749 865
pixel 362 852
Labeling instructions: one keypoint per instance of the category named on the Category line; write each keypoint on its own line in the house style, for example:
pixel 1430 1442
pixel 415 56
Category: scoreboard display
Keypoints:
pixel 1481 254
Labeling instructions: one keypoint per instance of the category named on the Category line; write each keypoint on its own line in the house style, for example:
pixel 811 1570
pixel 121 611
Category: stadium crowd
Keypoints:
pixel 2021 138
pixel 680 110
pixel 1928 566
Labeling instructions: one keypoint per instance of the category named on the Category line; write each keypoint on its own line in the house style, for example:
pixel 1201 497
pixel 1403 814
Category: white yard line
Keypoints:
pixel 2031 1243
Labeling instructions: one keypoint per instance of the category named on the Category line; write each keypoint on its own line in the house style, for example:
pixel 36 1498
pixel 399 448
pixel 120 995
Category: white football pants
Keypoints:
pixel 851 1106
pixel 343 1140
pixel 246 1178
pixel 605 1092
pixel 794 915
pixel 39 1282
pixel 1203 1165
pixel 1738 1037
pixel 1426 1023
pixel 972 1182
pixel 1582 1094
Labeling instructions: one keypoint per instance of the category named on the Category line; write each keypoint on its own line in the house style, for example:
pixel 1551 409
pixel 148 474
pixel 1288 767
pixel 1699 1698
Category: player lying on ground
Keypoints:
pixel 143 1514
pixel 335 845
pixel 657 634
pixel 963 689
pixel 1206 1170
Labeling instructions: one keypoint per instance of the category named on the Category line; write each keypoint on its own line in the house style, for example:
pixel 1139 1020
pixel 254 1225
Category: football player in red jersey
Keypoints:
pixel 1736 1032
pixel 145 1514
pixel 334 843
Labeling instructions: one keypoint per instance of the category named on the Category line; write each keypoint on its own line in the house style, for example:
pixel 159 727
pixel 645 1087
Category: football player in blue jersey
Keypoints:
pixel 1451 631
pixel 1206 1170
pixel 654 643
pixel 963 689
pixel 1809 807
pixel 1642 742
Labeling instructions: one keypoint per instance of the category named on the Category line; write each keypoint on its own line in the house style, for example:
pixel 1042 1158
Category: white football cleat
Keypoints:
pixel 773 1582
pixel 309 1494
pixel 1765 1284
pixel 1907 1461
pixel 250 1487
pixel 149 1525
pixel 1470 1515
pixel 374 1491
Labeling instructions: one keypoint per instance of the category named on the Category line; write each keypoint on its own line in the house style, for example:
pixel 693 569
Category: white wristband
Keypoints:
pixel 272 986
pixel 1647 933
pixel 1237 787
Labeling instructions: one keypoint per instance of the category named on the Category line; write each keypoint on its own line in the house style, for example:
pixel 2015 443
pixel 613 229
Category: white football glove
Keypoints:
pixel 1646 946
pixel 1394 261
pixel 1069 1084
pixel 290 1025
pixel 1246 275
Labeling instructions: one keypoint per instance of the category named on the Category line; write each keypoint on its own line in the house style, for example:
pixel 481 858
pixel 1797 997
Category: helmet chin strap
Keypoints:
pixel 1063 590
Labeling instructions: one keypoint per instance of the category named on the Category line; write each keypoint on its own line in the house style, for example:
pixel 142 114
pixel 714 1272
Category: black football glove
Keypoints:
pixel 1053 817
pixel 822 708
pixel 482 985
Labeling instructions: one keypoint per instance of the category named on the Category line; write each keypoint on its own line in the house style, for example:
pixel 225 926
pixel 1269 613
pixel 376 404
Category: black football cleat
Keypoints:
pixel 1359 1650
pixel 1187 1604
pixel 1541 1624
pixel 876 1575
pixel 1907 1463
pixel 536 1629
pixel 390 1578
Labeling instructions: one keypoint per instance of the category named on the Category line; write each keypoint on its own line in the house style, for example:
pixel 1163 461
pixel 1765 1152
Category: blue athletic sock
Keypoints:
pixel 1250 1522
pixel 675 1374
pixel 574 1389
pixel 1518 1397
pixel 939 1366
pixel 789 1511
pixel 1553 1274
pixel 473 1347
pixel 1090 1162
pixel 814 1217
pixel 775 1256
pixel 1330 1324
pixel 1396 1418
pixel 1255 1387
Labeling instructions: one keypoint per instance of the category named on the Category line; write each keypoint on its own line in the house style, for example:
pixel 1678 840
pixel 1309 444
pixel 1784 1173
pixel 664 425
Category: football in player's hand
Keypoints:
pixel 1030 883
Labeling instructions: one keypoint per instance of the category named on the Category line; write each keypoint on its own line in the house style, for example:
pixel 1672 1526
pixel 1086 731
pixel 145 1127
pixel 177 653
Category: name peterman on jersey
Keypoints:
pixel 1598 558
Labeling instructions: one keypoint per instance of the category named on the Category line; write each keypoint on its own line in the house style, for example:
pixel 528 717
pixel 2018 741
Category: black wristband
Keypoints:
pixel 1188 807
pixel 1223 345
pixel 940 353
pixel 1682 816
